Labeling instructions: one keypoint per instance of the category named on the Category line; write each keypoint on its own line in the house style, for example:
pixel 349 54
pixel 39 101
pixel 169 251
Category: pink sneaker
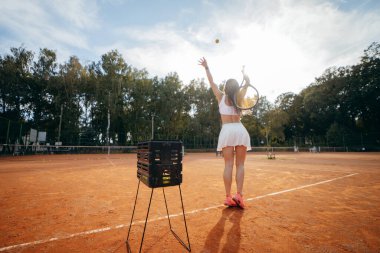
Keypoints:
pixel 239 200
pixel 229 202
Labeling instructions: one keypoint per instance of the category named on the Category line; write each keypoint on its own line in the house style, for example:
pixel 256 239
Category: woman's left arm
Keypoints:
pixel 218 94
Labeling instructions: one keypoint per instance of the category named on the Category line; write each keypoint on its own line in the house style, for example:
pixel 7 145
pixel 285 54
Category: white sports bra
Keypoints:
pixel 226 109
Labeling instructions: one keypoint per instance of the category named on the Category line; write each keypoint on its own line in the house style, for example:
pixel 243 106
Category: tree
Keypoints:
pixel 15 79
pixel 66 89
pixel 40 97
pixel 110 96
pixel 110 102
pixel 366 76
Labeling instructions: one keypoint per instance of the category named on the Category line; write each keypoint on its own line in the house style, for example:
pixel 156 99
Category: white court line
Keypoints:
pixel 95 231
pixel 290 169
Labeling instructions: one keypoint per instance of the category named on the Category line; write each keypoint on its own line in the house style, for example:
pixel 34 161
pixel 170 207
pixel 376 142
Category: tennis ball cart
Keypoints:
pixel 159 165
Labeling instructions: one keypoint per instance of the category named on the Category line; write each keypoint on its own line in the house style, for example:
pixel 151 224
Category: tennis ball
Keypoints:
pixel 216 41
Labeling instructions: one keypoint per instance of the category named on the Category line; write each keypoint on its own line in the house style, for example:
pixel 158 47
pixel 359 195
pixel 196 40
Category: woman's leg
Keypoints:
pixel 228 155
pixel 241 152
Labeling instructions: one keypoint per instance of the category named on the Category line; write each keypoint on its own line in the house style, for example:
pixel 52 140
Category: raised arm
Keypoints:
pixel 218 94
pixel 245 77
pixel 244 88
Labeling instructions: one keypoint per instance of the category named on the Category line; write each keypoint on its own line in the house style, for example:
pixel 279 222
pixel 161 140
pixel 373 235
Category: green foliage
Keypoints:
pixel 342 102
pixel 335 135
pixel 342 98
pixel 15 83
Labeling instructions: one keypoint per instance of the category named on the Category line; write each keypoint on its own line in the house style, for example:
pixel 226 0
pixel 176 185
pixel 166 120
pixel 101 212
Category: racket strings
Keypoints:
pixel 247 97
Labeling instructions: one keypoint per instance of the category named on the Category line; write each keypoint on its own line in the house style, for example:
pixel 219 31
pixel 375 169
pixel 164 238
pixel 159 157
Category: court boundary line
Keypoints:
pixel 302 169
pixel 100 230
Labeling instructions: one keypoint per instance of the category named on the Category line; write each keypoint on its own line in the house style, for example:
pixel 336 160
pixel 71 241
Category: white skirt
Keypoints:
pixel 233 134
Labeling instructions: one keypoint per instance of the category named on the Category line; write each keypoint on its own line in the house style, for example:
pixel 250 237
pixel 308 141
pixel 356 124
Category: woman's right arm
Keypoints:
pixel 218 94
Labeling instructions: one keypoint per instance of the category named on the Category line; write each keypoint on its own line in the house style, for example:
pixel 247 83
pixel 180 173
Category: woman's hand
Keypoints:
pixel 203 62
pixel 246 79
pixel 218 94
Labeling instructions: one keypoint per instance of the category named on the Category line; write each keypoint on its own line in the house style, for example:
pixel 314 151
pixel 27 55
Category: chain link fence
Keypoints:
pixel 18 135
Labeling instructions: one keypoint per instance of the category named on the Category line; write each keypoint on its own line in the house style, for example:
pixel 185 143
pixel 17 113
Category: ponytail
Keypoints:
pixel 230 89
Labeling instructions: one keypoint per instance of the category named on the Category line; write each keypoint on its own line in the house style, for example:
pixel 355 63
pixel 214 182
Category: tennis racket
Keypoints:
pixel 247 97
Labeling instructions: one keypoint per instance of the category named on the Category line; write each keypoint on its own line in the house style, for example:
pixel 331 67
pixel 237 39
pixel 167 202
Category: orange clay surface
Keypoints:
pixel 299 202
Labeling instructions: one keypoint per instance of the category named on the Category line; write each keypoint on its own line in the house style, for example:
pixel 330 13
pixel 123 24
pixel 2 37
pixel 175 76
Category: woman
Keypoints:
pixel 234 140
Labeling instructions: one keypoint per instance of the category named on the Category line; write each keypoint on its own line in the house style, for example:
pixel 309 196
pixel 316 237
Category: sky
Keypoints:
pixel 283 44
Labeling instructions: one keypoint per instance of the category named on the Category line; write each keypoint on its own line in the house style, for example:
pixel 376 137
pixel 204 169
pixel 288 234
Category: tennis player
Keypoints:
pixel 234 140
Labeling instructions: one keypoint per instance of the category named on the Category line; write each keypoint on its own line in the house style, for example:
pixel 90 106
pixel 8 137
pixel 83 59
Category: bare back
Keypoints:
pixel 229 118
pixel 219 94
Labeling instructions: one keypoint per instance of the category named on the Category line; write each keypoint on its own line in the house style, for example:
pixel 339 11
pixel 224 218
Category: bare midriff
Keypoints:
pixel 230 119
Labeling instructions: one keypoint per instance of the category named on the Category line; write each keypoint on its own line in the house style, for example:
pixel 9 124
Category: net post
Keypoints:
pixel 20 133
pixel 7 139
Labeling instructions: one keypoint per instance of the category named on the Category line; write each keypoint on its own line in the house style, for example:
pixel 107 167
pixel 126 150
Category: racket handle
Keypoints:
pixel 245 77
pixel 247 80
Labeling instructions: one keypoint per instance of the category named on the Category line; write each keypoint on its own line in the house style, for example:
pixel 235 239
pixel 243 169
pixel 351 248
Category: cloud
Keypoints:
pixel 57 25
pixel 81 14
pixel 284 44
pixel 161 49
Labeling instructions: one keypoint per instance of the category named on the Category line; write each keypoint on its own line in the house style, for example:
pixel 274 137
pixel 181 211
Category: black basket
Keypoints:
pixel 159 163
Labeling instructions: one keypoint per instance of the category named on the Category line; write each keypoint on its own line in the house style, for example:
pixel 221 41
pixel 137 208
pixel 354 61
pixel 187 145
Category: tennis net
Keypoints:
pixel 7 149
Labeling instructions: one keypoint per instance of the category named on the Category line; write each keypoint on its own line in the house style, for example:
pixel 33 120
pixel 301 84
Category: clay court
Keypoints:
pixel 299 202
